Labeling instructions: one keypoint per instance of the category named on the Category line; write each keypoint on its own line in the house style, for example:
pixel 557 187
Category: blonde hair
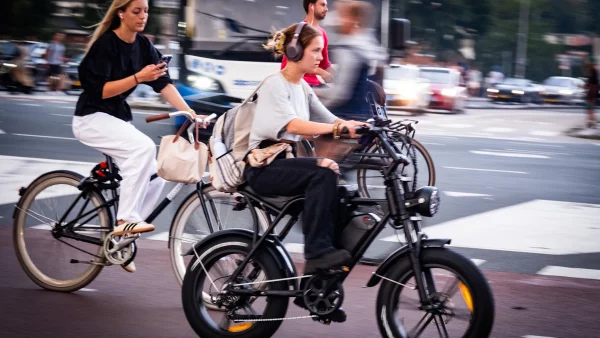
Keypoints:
pixel 282 38
pixel 110 21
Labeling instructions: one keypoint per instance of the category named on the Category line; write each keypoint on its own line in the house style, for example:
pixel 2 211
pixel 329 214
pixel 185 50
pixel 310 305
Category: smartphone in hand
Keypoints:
pixel 167 58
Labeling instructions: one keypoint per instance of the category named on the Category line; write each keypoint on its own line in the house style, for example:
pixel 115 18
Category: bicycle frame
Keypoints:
pixel 66 230
pixel 398 213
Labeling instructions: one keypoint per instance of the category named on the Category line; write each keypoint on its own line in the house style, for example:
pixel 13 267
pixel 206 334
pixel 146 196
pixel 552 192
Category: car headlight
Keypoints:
pixel 449 92
pixel 518 92
pixel 428 199
pixel 203 82
pixel 493 90
pixel 565 92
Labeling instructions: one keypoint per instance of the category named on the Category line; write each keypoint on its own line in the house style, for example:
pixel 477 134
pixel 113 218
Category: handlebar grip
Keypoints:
pixel 157 117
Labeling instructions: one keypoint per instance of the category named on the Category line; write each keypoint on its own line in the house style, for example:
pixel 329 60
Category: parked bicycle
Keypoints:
pixel 63 224
pixel 426 289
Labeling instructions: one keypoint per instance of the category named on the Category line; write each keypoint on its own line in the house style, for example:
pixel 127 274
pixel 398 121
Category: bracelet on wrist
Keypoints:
pixel 136 80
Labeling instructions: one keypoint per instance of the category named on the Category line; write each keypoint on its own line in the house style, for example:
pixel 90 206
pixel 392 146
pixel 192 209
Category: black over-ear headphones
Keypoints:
pixel 294 49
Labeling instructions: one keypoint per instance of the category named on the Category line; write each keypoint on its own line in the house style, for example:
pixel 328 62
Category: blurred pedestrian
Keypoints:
pixel 592 92
pixel 54 56
pixel 346 97
pixel 316 11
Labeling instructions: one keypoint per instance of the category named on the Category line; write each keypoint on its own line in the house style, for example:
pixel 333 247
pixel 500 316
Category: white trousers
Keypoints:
pixel 135 155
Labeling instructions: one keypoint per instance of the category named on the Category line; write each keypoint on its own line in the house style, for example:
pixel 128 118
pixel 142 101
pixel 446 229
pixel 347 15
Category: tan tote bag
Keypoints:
pixel 182 161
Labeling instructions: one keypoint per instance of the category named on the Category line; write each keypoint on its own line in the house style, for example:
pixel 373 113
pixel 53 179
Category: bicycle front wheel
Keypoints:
pixel 190 223
pixel 459 299
pixel 53 261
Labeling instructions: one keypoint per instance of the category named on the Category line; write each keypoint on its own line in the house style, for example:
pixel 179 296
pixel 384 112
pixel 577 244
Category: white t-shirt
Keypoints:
pixel 278 103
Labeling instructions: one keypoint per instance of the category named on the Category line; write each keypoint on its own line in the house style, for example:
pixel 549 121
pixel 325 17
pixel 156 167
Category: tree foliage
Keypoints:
pixel 26 18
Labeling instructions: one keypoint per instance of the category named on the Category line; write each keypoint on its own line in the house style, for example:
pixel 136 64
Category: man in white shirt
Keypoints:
pixel 54 56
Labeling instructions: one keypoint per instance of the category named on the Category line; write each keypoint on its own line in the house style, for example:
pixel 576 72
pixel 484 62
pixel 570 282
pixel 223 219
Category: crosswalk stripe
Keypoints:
pixel 561 271
pixel 161 236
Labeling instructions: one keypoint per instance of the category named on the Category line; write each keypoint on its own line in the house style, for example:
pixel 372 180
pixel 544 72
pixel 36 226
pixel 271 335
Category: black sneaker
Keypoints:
pixel 331 260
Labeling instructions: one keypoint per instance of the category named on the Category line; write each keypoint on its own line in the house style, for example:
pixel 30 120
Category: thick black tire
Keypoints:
pixel 468 273
pixel 195 312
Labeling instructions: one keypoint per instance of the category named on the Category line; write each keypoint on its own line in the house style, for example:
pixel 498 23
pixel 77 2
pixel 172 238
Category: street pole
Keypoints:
pixel 522 39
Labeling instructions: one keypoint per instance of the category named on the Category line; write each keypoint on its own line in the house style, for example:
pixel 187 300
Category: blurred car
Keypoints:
pixel 559 89
pixel 405 88
pixel 72 73
pixel 516 90
pixel 447 91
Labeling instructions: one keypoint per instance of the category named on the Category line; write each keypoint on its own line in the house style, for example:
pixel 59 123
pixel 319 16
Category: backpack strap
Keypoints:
pixel 257 88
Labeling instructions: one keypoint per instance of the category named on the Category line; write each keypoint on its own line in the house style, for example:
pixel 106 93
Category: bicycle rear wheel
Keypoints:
pixel 421 169
pixel 44 255
pixel 190 224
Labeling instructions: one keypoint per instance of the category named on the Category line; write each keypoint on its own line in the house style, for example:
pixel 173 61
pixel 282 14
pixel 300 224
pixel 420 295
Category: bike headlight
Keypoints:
pixel 428 199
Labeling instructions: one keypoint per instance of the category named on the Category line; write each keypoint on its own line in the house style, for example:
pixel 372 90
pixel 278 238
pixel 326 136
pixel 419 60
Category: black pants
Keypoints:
pixel 298 176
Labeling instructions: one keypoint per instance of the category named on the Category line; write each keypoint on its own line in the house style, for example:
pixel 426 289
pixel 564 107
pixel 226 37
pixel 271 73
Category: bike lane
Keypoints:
pixel 148 303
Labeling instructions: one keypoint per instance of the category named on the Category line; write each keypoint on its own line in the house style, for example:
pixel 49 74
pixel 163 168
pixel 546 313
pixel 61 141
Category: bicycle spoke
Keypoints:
pixel 443 325
pixel 420 330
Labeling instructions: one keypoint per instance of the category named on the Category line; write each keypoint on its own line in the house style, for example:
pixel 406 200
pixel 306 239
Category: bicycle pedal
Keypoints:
pixel 322 320
pixel 333 272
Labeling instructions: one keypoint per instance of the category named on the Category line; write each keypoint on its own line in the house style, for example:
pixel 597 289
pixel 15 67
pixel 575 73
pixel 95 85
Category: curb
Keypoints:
pixel 584 133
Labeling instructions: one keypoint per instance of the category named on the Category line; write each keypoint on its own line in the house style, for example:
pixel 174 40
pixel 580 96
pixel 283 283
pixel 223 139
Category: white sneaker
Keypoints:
pixel 132 228
pixel 129 267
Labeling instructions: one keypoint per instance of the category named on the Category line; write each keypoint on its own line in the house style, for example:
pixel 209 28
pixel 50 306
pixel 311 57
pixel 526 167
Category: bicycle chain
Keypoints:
pixel 273 319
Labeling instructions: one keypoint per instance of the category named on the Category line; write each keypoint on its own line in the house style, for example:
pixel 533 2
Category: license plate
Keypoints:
pixel 504 96
pixel 76 83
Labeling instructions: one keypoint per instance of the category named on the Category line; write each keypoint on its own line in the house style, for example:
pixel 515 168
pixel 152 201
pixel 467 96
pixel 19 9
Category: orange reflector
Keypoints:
pixel 345 269
pixel 464 290
pixel 240 327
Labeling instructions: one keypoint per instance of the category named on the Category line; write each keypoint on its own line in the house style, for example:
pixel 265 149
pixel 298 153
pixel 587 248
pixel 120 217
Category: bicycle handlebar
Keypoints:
pixel 180 113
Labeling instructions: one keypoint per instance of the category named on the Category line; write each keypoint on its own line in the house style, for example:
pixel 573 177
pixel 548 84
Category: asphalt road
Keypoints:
pixel 517 196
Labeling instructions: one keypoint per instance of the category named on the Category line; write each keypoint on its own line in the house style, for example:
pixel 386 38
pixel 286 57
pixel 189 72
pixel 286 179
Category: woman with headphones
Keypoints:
pixel 286 110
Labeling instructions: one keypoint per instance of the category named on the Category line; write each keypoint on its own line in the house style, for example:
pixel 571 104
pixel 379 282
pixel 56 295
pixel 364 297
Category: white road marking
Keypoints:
pixel 145 113
pixel 538 226
pixel 2 132
pixel 30 104
pixel 432 144
pixel 67 107
pixel 477 262
pixel 538 152
pixel 457 125
pixel 87 290
pixel 494 153
pixel 538 144
pixel 67 124
pixel 490 170
pixel 499 130
pixel 544 133
pixel 562 271
pixel 44 136
pixel 41 227
pixel 294 247
pixel 464 194
pixel 161 236
pixel 17 172
pixel 529 336
pixel 64 115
